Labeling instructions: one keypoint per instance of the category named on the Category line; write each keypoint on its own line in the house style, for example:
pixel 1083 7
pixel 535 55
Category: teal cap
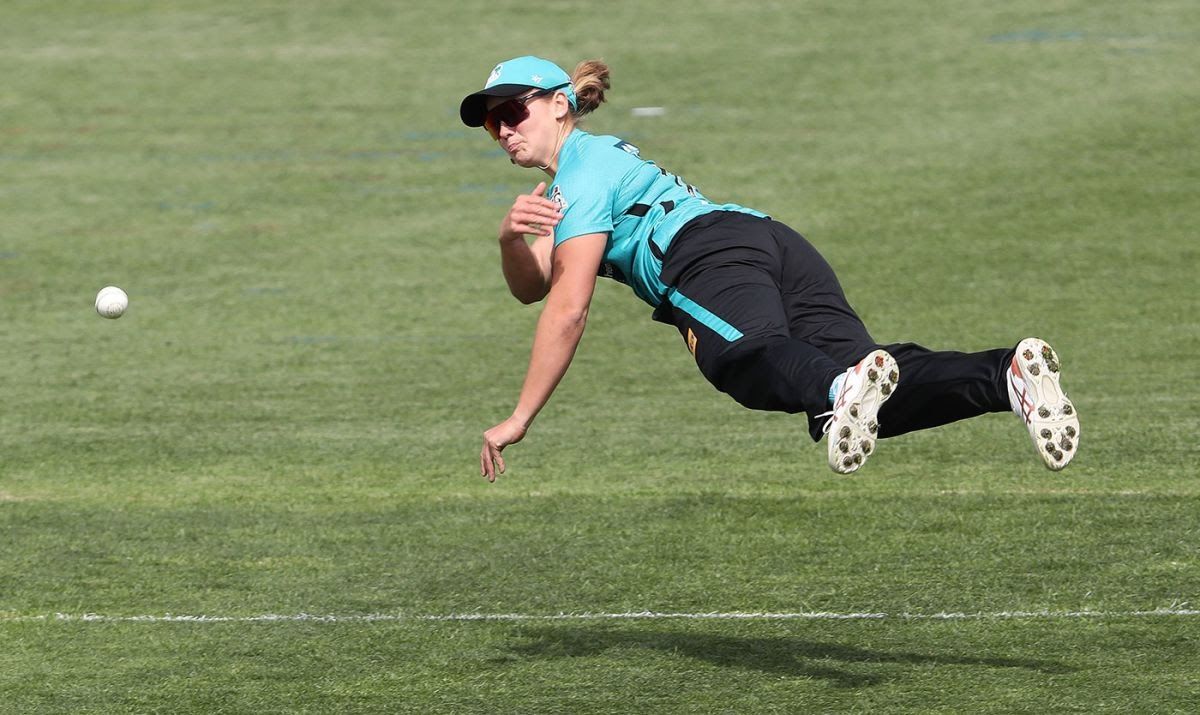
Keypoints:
pixel 513 77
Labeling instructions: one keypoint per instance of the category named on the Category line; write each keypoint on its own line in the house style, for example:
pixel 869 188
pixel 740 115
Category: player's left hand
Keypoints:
pixel 510 431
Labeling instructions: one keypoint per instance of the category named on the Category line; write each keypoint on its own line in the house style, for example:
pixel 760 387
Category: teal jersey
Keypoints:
pixel 604 186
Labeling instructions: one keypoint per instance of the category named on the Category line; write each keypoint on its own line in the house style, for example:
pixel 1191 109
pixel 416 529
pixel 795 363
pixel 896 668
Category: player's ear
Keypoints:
pixel 561 107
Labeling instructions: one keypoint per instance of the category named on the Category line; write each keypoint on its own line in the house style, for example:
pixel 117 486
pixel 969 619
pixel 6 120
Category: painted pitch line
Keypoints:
pixel 587 616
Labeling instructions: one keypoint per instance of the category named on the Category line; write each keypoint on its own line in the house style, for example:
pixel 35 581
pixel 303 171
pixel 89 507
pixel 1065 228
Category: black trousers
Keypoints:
pixel 769 324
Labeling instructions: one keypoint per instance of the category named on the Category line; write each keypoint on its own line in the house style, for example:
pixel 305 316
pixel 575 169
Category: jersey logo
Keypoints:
pixel 628 148
pixel 692 341
pixel 557 197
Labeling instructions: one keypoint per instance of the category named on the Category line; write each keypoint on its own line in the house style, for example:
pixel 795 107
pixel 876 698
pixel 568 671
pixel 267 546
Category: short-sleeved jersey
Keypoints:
pixel 604 186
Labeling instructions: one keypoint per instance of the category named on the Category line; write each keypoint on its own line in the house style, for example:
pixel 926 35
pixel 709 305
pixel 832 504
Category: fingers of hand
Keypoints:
pixel 487 467
pixel 532 215
pixel 530 201
pixel 548 209
pixel 491 462
pixel 540 189
pixel 537 222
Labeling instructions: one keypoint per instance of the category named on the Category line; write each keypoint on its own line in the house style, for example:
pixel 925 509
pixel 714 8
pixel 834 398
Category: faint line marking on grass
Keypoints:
pixel 1115 42
pixel 1038 36
pixel 1052 491
pixel 421 338
pixel 1173 612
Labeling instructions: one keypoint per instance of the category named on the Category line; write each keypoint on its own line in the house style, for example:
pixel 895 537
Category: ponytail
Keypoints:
pixel 590 80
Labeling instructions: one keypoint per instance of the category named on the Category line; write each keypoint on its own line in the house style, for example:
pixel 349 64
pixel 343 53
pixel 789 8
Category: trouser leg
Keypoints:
pixel 793 332
pixel 738 337
pixel 726 301
pixel 939 387
pixel 936 387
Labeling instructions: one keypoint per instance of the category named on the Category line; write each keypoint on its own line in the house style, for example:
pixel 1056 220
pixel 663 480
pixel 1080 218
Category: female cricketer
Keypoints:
pixel 756 304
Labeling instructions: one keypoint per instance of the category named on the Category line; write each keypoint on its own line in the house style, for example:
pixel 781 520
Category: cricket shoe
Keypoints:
pixel 1038 399
pixel 853 424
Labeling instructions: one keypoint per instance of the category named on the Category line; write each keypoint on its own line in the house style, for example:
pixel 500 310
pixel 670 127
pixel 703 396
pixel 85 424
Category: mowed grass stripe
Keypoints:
pixel 1118 665
pixel 696 553
pixel 1167 612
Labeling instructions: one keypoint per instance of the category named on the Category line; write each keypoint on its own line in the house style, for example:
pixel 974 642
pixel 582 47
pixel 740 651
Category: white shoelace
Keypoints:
pixel 828 423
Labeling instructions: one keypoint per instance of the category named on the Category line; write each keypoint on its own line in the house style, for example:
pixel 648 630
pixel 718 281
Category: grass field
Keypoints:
pixel 287 421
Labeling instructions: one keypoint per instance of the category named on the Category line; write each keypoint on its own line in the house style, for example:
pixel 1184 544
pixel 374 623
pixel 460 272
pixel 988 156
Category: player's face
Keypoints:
pixel 526 126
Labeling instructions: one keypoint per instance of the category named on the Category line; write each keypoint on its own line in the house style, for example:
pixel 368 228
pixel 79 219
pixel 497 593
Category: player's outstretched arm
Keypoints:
pixel 559 328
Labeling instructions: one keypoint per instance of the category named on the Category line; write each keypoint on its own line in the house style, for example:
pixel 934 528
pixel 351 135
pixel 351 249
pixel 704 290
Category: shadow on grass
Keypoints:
pixel 783 656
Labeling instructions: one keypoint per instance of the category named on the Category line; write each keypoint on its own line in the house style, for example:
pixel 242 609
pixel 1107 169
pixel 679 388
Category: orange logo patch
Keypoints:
pixel 691 342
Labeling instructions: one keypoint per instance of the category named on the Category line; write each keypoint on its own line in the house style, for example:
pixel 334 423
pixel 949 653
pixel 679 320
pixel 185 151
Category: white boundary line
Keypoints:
pixel 1172 611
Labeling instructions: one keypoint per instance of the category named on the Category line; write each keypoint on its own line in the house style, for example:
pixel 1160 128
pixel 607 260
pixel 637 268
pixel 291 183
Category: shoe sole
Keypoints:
pixel 1050 416
pixel 855 428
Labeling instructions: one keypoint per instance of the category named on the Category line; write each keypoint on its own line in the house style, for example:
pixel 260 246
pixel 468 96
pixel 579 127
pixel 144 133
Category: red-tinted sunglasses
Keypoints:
pixel 512 112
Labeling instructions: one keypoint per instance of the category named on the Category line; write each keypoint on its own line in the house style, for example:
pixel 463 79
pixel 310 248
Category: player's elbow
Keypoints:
pixel 577 317
pixel 529 295
pixel 528 290
pixel 570 318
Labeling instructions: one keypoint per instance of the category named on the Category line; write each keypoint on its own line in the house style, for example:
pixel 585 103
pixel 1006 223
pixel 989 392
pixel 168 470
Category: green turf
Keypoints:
pixel 288 419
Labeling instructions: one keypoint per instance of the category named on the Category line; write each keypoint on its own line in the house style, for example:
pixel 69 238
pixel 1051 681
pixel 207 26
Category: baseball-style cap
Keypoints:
pixel 513 77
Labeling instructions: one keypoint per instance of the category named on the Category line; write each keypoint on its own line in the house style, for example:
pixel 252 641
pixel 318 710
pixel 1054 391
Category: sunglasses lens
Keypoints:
pixel 512 113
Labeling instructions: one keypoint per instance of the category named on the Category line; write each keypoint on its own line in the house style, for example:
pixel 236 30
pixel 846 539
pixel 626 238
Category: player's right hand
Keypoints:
pixel 531 214
pixel 510 431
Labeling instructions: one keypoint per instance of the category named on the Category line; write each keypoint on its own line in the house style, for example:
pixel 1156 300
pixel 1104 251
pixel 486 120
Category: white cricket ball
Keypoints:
pixel 111 302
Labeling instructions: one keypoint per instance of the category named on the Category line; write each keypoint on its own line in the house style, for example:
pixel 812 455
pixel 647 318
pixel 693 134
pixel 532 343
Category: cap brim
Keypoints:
pixel 474 107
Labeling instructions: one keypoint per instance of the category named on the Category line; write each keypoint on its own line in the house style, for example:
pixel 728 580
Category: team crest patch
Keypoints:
pixel 628 148
pixel 557 197
pixel 691 342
